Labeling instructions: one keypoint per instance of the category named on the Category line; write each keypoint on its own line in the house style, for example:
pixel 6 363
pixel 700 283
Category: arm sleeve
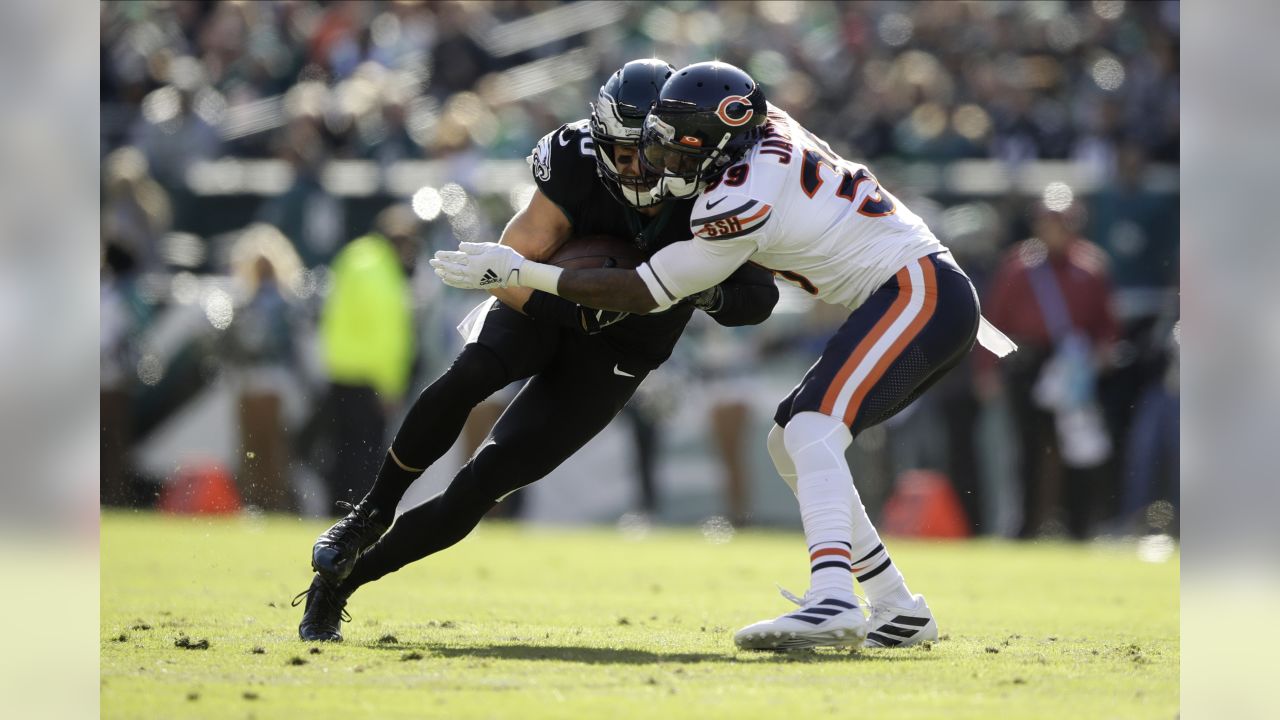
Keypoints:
pixel 727 230
pixel 747 297
pixel 687 267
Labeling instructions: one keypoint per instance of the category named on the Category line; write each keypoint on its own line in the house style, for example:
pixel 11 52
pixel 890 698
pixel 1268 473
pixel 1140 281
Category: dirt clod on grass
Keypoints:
pixel 295 660
pixel 186 643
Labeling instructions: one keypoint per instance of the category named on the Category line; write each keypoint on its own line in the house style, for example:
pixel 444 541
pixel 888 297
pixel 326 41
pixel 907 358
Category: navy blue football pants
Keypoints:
pixel 893 347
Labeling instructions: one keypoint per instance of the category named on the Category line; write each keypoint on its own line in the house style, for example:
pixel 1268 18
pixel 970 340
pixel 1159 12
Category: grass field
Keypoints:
pixel 526 622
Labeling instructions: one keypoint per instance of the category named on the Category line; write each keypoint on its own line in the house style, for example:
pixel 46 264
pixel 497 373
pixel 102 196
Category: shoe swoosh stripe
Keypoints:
pixel 823 610
pixel 909 620
pixel 838 603
pixel 900 632
pixel 809 619
pixel 883 640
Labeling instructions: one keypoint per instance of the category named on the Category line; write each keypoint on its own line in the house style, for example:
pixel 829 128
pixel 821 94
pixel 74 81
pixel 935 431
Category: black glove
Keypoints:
pixel 709 300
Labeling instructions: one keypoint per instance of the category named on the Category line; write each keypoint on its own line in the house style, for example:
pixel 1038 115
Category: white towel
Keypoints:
pixel 474 321
pixel 994 340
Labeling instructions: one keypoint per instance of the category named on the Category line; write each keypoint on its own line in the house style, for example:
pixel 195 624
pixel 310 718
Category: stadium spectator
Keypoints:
pixel 305 212
pixel 264 362
pixel 366 336
pixel 1052 294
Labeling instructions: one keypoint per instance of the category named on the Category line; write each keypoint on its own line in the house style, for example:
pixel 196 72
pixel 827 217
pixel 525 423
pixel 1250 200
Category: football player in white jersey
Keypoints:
pixel 771 193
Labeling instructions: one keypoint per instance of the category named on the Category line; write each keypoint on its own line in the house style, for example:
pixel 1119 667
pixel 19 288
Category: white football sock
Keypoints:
pixel 875 571
pixel 816 446
pixel 824 488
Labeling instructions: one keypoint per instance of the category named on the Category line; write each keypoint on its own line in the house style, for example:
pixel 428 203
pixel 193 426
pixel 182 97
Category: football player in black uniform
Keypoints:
pixel 582 364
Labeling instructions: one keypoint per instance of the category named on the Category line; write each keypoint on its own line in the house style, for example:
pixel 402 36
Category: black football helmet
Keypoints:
pixel 707 116
pixel 617 119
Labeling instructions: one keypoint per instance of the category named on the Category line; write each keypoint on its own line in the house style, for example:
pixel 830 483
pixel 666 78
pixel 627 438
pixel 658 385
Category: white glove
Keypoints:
pixel 479 266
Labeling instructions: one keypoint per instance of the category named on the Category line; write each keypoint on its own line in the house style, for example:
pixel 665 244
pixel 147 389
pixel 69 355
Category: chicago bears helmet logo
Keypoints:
pixel 723 111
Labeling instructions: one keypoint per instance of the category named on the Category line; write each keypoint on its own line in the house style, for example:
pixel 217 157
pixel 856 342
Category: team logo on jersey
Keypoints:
pixel 540 160
pixel 723 112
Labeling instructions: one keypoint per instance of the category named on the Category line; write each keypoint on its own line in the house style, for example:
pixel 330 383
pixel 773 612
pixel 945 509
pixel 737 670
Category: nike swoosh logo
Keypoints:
pixel 713 204
pixel 619 371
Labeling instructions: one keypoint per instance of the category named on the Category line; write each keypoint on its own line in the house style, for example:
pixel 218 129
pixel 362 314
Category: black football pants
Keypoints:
pixel 577 384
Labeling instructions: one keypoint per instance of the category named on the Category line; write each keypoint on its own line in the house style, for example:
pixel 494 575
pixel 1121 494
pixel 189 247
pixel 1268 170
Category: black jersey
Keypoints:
pixel 564 167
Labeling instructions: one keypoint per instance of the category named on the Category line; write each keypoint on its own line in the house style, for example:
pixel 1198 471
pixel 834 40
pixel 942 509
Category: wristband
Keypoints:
pixel 538 276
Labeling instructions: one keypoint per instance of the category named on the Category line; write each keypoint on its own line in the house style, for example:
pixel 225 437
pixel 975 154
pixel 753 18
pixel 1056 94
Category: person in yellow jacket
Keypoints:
pixel 366 336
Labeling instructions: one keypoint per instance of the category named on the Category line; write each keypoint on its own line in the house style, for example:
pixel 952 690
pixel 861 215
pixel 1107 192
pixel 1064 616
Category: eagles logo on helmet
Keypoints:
pixel 617 119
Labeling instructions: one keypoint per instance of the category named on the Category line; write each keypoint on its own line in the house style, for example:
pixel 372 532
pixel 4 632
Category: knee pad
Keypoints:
pixel 816 442
pixel 781 460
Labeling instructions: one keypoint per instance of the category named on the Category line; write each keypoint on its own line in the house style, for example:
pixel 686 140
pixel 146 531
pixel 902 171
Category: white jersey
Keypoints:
pixel 795 207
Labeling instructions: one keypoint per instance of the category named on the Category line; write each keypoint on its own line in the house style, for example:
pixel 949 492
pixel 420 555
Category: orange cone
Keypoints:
pixel 201 489
pixel 924 505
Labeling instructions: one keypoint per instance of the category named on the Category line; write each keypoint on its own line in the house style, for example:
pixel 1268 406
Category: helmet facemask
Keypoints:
pixel 683 167
pixel 609 131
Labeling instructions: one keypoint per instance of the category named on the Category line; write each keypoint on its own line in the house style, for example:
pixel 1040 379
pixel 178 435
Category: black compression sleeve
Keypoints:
pixel 747 297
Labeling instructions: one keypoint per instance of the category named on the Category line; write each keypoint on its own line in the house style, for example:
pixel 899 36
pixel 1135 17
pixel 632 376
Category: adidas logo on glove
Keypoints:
pixel 489 278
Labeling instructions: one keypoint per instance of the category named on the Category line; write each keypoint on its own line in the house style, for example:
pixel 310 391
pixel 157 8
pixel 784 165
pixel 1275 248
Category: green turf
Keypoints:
pixel 526 622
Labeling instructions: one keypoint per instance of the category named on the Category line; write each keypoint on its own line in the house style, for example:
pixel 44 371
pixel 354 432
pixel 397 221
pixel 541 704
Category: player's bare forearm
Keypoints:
pixel 536 232
pixel 512 297
pixel 606 289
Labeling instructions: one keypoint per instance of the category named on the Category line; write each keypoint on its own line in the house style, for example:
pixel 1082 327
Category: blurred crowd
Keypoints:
pixel 251 275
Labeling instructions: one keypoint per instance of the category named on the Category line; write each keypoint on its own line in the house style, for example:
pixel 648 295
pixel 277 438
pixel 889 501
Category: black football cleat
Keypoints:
pixel 324 613
pixel 337 549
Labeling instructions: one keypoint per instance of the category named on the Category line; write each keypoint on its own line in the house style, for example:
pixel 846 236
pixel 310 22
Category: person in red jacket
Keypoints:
pixel 1052 295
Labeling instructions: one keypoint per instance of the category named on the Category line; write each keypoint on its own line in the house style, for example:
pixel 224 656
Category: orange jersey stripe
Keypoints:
pixel 830 551
pixel 899 305
pixel 877 372
pixel 759 212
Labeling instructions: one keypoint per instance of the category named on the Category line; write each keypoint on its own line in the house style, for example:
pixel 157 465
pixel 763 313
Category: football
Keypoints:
pixel 587 252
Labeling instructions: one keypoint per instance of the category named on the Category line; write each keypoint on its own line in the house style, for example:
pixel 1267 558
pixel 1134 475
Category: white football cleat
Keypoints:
pixel 820 622
pixel 891 626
